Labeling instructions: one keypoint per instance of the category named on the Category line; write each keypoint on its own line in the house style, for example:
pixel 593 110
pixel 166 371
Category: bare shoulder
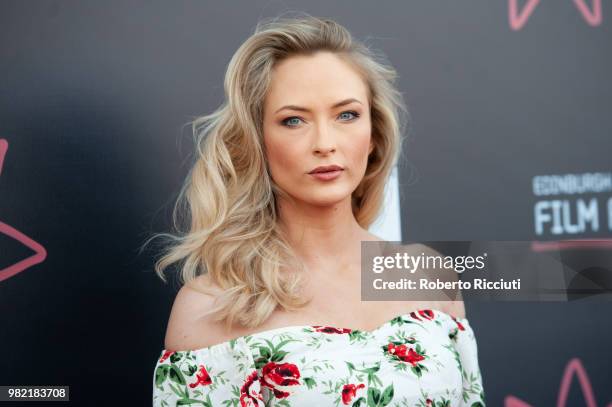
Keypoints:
pixel 454 306
pixel 187 328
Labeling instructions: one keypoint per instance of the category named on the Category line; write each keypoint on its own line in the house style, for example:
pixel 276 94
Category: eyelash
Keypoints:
pixel 284 121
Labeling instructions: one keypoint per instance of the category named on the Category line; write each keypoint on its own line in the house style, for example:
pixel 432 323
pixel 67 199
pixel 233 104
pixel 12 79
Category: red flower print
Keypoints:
pixel 428 402
pixel 280 377
pixel 249 392
pixel 202 378
pixel 412 357
pixel 426 313
pixel 405 354
pixel 461 327
pixel 331 329
pixel 349 391
pixel 395 349
pixel 166 355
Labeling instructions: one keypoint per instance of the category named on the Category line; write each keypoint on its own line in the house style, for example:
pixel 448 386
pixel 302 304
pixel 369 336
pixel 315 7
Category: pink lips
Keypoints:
pixel 327 172
pixel 325 168
pixel 327 175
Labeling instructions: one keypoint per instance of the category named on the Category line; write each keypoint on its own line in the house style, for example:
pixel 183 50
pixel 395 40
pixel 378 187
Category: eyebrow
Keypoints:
pixel 303 109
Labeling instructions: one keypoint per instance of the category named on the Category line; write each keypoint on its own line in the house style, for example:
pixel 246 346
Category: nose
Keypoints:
pixel 324 140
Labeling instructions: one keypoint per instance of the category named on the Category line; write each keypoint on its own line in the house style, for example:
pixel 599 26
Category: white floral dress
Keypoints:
pixel 424 358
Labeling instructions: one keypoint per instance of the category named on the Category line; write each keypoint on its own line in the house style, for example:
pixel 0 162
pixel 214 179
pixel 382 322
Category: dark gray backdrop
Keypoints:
pixel 93 97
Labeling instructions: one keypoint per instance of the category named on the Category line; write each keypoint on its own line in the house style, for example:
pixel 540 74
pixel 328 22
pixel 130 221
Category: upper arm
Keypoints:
pixel 455 308
pixel 187 329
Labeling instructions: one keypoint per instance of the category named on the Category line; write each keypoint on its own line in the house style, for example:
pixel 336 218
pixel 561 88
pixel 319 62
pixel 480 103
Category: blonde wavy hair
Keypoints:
pixel 229 197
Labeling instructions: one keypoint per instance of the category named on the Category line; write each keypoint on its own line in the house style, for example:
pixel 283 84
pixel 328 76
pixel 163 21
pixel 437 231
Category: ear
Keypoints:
pixel 371 147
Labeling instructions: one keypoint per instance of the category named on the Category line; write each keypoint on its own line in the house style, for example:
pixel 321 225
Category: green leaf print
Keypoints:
pixel 373 397
pixel 265 352
pixel 178 391
pixel 401 337
pixel 310 382
pixel 160 374
pixel 358 402
pixel 358 336
pixel 474 386
pixel 376 399
pixel 185 402
pixel 278 356
pixel 283 343
pixel 387 395
pixel 271 353
pixel 176 375
pixel 175 357
pixel 399 321
pixel 418 369
pixel 370 371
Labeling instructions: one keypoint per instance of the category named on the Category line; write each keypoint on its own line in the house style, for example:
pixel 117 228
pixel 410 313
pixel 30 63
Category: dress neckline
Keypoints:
pixel 292 328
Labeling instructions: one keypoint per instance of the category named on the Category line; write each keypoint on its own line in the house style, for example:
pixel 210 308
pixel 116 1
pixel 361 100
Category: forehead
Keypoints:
pixel 311 80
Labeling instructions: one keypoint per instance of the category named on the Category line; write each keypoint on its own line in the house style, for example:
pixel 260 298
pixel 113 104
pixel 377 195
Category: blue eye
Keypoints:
pixel 288 119
pixel 284 122
pixel 351 112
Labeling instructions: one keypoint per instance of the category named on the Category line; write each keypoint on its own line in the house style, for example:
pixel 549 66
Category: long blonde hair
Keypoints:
pixel 229 195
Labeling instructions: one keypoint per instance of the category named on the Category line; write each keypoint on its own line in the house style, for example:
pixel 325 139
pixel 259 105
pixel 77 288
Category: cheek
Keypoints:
pixel 280 155
pixel 360 145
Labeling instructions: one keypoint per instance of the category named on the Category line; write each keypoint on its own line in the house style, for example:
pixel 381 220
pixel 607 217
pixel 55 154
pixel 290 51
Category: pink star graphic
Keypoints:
pixel 39 251
pixel 573 368
pixel 517 19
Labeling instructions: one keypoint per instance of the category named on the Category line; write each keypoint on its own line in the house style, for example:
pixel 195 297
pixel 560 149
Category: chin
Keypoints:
pixel 327 198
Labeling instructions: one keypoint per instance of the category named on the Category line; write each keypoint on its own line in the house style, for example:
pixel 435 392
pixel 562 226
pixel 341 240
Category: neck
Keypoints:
pixel 324 237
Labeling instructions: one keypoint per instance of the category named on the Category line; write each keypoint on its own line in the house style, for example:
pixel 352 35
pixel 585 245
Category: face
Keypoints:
pixel 316 113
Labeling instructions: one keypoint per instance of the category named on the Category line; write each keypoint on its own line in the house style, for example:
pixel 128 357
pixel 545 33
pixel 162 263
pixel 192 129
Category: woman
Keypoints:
pixel 290 173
